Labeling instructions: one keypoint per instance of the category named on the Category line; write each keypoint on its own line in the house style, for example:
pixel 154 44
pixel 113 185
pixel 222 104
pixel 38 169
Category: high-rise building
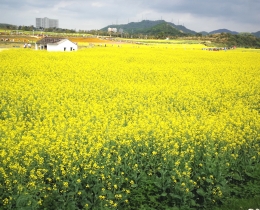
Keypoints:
pixel 47 23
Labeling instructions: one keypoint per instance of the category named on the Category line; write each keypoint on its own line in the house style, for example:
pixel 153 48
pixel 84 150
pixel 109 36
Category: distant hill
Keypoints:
pixel 204 33
pixel 183 29
pixel 223 31
pixel 149 26
pixel 7 26
pixel 134 27
pixel 257 34
pixel 159 28
pixel 163 29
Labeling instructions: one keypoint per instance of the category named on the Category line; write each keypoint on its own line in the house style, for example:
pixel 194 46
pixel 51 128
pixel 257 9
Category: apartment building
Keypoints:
pixel 47 23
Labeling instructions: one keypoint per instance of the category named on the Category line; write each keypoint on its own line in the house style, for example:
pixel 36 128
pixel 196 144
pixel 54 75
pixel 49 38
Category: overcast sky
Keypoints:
pixel 197 15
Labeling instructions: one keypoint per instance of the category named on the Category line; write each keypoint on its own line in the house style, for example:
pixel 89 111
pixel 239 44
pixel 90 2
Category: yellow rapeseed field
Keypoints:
pixel 128 126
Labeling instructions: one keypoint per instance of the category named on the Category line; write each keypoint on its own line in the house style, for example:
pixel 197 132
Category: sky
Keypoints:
pixel 197 15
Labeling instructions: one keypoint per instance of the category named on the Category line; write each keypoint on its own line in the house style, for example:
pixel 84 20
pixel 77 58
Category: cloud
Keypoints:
pixel 97 4
pixel 62 5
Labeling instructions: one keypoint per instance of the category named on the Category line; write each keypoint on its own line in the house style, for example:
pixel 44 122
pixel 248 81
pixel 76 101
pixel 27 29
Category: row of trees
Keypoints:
pixel 161 31
pixel 31 28
pixel 240 40
pixel 57 30
pixel 227 39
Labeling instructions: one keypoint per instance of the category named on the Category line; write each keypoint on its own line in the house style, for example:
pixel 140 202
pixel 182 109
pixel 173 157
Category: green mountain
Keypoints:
pixel 184 29
pixel 204 33
pixel 257 34
pixel 7 26
pixel 223 31
pixel 151 27
pixel 133 27
pixel 163 30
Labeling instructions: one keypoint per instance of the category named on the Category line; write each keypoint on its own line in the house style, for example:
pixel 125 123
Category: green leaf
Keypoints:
pixel 251 175
pixel 208 180
pixel 134 185
pixel 175 196
pixel 173 208
pixel 164 194
pixel 236 176
pixel 157 184
pixel 201 192
pixel 193 203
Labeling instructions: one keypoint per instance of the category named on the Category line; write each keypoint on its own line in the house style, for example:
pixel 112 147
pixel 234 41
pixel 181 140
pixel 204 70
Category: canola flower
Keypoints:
pixel 91 128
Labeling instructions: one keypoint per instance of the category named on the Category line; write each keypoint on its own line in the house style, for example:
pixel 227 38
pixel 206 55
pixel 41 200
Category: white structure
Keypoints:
pixel 56 44
pixel 47 23
pixel 112 30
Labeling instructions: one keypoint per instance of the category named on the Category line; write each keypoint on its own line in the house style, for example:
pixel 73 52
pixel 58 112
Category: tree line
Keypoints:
pixel 160 31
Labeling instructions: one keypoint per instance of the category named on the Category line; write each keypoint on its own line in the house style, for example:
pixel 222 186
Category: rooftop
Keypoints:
pixel 47 40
